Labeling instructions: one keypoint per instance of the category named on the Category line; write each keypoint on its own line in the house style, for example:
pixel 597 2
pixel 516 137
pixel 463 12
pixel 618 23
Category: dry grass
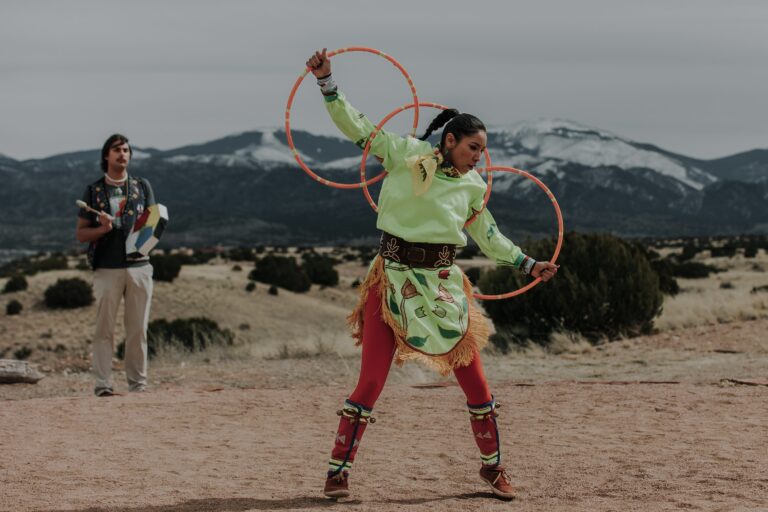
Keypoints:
pixel 312 325
pixel 707 301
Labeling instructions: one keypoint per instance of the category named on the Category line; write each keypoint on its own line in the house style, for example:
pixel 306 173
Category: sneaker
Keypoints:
pixel 337 486
pixel 498 479
pixel 104 392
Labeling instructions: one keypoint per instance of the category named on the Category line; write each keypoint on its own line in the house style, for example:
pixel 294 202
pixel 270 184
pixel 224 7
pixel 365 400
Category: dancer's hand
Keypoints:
pixel 320 64
pixel 545 270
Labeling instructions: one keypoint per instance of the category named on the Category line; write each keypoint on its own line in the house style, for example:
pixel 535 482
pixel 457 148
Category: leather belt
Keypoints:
pixel 416 254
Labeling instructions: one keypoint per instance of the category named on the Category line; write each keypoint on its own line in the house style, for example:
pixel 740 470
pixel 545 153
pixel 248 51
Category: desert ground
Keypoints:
pixel 675 420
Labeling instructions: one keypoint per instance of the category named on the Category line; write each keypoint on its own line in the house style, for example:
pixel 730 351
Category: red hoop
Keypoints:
pixel 560 230
pixel 376 131
pixel 289 137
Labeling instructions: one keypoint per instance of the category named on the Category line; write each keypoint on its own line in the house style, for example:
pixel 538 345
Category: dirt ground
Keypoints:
pixel 586 430
pixel 648 424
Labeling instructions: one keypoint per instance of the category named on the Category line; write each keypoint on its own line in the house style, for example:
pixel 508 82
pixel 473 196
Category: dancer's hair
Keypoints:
pixel 459 125
pixel 120 139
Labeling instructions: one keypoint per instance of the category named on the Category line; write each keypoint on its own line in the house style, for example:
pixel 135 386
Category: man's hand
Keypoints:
pixel 106 222
pixel 320 64
pixel 545 270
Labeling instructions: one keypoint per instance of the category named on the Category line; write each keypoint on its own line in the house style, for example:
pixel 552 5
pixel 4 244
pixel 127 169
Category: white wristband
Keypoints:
pixel 327 85
pixel 527 265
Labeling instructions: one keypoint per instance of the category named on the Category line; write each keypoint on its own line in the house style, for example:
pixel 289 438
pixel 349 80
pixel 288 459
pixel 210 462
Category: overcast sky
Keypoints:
pixel 690 76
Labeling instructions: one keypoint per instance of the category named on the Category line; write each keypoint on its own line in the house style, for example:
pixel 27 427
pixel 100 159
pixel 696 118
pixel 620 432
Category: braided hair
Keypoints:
pixel 458 124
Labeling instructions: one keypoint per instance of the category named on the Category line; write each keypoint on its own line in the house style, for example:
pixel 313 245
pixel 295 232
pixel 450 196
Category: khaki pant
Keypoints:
pixel 110 286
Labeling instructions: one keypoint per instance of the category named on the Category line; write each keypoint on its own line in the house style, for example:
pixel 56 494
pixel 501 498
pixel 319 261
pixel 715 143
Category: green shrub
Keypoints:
pixel 367 254
pixel 693 270
pixel 665 269
pixel 194 333
pixel 281 271
pixel 240 254
pixel 22 353
pixel 473 274
pixel 504 338
pixel 726 251
pixel 14 307
pixel 750 251
pixel 191 334
pixel 69 294
pixel 604 288
pixel 166 267
pixel 201 257
pixel 32 265
pixel 16 283
pixel 273 290
pixel 56 261
pixel 250 286
pixel 689 251
pixel 320 269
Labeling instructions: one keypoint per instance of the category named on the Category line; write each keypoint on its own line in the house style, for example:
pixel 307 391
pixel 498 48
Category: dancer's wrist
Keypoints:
pixel 327 85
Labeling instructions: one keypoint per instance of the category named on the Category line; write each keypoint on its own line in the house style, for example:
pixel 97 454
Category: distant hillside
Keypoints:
pixel 247 189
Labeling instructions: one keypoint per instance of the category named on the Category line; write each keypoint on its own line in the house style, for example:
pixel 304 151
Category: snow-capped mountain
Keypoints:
pixel 247 188
pixel 548 144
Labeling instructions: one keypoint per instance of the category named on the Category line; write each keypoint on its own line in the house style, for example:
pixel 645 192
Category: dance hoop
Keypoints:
pixel 296 85
pixel 376 131
pixel 559 234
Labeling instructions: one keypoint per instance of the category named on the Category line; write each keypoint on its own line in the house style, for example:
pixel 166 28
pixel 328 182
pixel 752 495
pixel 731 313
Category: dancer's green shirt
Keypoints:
pixel 429 305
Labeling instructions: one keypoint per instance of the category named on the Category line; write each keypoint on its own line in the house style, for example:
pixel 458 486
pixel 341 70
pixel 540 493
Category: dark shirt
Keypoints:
pixel 110 250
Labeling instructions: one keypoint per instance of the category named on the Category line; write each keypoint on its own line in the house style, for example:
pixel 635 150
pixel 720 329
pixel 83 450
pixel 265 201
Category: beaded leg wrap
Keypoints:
pixel 483 420
pixel 354 419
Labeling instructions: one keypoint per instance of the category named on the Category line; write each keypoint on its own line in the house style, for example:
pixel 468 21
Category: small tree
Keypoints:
pixel 69 294
pixel 605 288
pixel 665 269
pixel 166 267
pixel 693 270
pixel 320 269
pixel 191 334
pixel 14 307
pixel 16 283
pixel 281 271
pixel 473 274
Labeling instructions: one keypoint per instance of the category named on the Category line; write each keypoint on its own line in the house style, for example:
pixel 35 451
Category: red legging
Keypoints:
pixel 379 349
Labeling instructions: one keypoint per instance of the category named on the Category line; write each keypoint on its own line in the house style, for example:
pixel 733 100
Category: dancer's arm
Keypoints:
pixel 503 251
pixel 495 245
pixel 392 148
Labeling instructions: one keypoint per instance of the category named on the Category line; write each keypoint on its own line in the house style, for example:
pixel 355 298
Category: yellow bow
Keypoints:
pixel 423 168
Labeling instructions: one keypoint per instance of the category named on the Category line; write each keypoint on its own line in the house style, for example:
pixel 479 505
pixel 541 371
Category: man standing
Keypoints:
pixel 121 199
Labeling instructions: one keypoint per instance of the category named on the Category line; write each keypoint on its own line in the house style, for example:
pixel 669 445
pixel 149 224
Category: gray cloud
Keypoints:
pixel 687 75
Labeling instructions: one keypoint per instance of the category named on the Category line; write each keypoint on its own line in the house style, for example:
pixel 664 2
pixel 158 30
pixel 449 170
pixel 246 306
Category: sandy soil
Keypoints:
pixel 568 446
pixel 649 423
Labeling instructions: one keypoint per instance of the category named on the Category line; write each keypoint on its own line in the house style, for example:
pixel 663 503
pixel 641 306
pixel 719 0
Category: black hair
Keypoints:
pixel 120 139
pixel 459 125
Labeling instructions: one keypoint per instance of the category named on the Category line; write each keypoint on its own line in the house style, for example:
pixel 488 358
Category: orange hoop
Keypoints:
pixel 376 131
pixel 560 230
pixel 296 85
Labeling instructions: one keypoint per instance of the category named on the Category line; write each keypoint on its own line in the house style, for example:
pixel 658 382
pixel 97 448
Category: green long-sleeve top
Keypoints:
pixel 439 214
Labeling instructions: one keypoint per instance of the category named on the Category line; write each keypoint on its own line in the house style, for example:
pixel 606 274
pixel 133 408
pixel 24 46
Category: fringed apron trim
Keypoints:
pixel 461 354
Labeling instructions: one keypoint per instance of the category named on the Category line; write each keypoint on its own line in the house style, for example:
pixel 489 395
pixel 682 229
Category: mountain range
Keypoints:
pixel 247 189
